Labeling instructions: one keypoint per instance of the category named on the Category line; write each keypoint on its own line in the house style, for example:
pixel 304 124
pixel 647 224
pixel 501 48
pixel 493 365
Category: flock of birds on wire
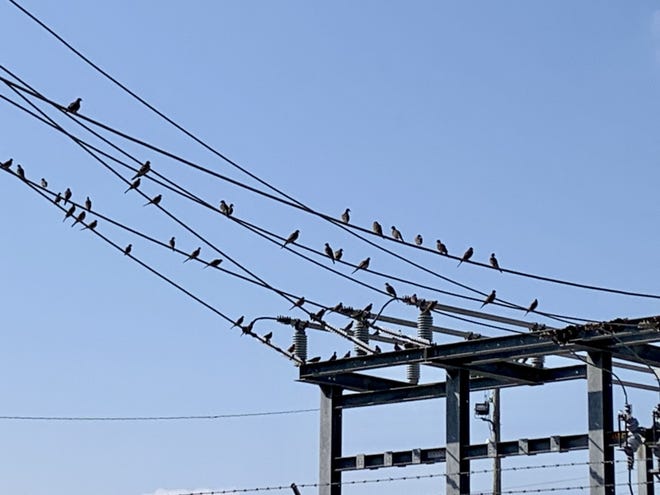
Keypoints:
pixel 228 210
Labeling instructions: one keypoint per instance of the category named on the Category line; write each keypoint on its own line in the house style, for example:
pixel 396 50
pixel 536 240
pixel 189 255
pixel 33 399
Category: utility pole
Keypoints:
pixel 495 439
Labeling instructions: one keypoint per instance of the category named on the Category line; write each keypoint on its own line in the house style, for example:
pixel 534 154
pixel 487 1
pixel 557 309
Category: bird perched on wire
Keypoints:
pixel 315 359
pixel 429 306
pixel 532 306
pixel 238 322
pixel 92 225
pixel 247 329
pixel 44 183
pixel 333 357
pixel 298 304
pixel 466 255
pixel 494 263
pixel 58 198
pixel 390 290
pixel 74 106
pixel 367 309
pixel 80 217
pixel 419 240
pixel 376 227
pixel 154 201
pixel 6 165
pixel 268 336
pixel 363 265
pixel 88 204
pixel 67 195
pixel 143 170
pixel 291 348
pixel 128 249
pixel 292 238
pixel 329 252
pixel 377 350
pixel 489 299
pixel 318 316
pixel 338 254
pixel 346 217
pixel 20 172
pixel 348 327
pixel 214 263
pixel 347 355
pixel 134 185
pixel 172 243
pixel 69 212
pixel 226 209
pixel 442 249
pixel 396 234
pixel 193 255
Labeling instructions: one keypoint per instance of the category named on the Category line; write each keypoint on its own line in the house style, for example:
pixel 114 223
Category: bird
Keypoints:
pixel 532 306
pixel 172 243
pixel 69 212
pixel 134 185
pixel 80 217
pixel 348 327
pixel 494 263
pixel 378 230
pixel 143 170
pixel 442 249
pixel 292 238
pixel 193 255
pixel 238 322
pixel 333 357
pixel 397 347
pixel 44 183
pixel 291 348
pixel 92 225
pixel 74 106
pixel 347 355
pixel 338 254
pixel 363 265
pixel 127 249
pixel 298 304
pixel 396 234
pixel 154 201
pixel 58 198
pixel 429 306
pixel 466 256
pixel 390 290
pixel 337 308
pixel 214 263
pixel 346 217
pixel 247 329
pixel 489 299
pixel 318 316
pixel 67 195
pixel 315 359
pixel 329 252
pixel 377 350
pixel 226 209
pixel 20 172
pixel 367 309
pixel 7 164
pixel 268 336
pixel 418 239
pixel 88 204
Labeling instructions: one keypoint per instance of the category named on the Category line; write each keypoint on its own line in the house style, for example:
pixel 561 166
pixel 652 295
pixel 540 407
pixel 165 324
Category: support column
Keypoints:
pixel 601 423
pixel 330 444
pixel 644 471
pixel 458 432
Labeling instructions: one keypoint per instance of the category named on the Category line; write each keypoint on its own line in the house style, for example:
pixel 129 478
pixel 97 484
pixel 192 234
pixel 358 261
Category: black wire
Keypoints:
pixel 156 418
pixel 345 227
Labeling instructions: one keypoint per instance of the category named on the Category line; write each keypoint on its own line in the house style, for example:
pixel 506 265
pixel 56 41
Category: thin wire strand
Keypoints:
pixel 157 418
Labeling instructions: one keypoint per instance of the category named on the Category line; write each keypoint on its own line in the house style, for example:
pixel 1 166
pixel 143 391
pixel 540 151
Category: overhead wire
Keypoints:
pixel 265 183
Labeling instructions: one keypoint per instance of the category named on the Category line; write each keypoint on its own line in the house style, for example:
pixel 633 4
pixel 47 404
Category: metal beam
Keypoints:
pixel 358 382
pixel 600 413
pixel 330 441
pixel 438 390
pixel 458 432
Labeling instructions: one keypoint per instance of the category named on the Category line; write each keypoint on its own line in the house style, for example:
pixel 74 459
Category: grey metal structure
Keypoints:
pixel 483 364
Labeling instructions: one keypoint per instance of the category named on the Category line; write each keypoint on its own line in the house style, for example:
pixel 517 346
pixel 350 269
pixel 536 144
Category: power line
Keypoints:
pixel 329 218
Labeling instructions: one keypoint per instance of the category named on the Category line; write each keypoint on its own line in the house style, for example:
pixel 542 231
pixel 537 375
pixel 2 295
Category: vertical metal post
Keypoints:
pixel 458 432
pixel 644 471
pixel 495 437
pixel 601 423
pixel 330 444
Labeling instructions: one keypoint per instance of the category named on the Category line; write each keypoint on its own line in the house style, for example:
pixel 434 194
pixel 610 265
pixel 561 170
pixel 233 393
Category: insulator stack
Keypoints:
pixel 537 361
pixel 424 323
pixel 362 334
pixel 300 339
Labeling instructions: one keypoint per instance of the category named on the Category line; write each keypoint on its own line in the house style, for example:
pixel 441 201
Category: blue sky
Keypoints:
pixel 527 129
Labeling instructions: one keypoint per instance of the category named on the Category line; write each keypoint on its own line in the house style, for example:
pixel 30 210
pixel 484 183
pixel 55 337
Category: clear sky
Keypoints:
pixel 528 129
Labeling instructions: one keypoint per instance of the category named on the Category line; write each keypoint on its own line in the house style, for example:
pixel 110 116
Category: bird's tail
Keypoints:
pixel 459 263
pixel 482 305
